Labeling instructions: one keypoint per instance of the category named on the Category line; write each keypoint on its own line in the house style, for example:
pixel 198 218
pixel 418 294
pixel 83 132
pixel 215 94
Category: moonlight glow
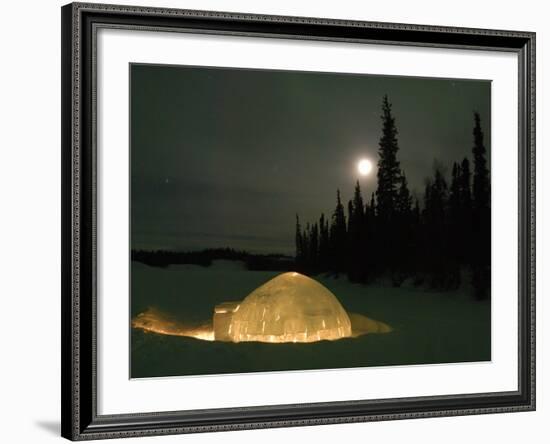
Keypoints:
pixel 364 167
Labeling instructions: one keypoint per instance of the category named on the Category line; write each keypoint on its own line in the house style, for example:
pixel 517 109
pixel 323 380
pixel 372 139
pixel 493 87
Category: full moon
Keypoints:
pixel 365 167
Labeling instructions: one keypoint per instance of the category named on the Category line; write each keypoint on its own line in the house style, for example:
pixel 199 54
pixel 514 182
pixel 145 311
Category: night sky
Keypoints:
pixel 227 157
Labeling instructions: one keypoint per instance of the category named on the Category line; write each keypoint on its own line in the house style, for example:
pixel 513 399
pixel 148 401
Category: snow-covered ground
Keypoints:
pixel 427 327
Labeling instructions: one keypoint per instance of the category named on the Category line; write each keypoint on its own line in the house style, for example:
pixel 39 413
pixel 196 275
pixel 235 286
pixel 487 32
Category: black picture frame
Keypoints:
pixel 79 385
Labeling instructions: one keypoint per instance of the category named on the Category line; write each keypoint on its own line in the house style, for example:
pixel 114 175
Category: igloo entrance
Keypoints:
pixel 289 308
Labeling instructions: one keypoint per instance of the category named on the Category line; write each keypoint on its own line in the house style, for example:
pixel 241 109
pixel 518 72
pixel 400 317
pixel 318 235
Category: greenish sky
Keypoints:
pixel 225 157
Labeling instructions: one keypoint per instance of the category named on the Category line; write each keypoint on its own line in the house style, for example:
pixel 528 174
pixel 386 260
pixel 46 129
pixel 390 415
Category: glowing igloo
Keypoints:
pixel 289 308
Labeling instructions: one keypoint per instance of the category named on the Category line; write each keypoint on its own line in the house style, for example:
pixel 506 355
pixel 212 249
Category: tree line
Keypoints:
pixel 204 258
pixel 431 241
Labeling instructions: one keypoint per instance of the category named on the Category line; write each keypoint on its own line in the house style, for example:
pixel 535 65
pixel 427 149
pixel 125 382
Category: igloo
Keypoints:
pixel 290 307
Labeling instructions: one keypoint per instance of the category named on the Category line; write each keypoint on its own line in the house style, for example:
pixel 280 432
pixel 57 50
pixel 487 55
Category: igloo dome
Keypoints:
pixel 290 307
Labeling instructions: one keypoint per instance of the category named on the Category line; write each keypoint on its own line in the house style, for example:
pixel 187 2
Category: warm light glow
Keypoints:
pixel 365 167
pixel 154 321
pixel 289 308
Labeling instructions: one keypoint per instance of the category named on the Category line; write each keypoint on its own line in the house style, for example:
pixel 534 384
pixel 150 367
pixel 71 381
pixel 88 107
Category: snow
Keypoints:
pixel 427 327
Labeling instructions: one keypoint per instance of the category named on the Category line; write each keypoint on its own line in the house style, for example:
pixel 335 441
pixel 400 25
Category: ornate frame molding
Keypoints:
pixel 80 420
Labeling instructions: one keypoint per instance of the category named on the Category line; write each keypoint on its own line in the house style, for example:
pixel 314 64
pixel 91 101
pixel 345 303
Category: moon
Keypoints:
pixel 364 167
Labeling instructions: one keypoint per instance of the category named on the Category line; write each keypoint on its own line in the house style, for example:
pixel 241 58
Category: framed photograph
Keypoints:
pixel 280 221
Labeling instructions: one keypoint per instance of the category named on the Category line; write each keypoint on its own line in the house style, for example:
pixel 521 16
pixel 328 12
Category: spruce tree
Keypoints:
pixel 417 246
pixel 350 216
pixel 338 236
pixel 402 233
pixel 372 205
pixel 454 196
pixel 356 235
pixel 436 248
pixel 305 247
pixel 404 200
pixel 389 179
pixel 416 212
pixel 455 231
pixel 358 209
pixel 371 242
pixel 389 173
pixel 481 215
pixel 314 247
pixel 323 243
pixel 465 184
pixel 481 192
pixel 465 190
pixel 356 217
